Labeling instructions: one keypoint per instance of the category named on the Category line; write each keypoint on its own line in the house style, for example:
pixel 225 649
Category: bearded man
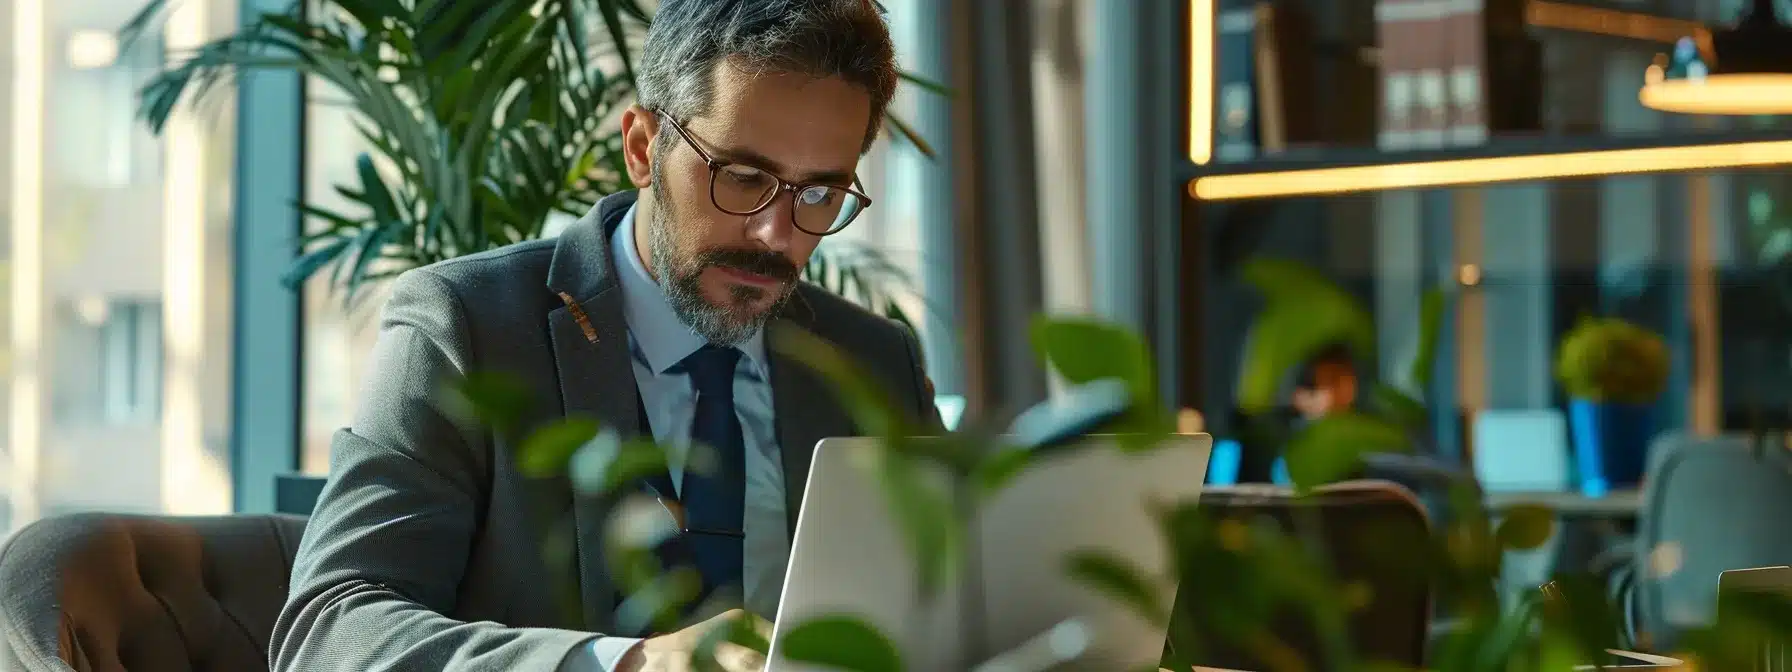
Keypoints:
pixel 655 315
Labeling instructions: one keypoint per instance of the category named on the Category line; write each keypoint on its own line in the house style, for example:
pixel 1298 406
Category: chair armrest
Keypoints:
pixel 1621 587
pixel 1618 567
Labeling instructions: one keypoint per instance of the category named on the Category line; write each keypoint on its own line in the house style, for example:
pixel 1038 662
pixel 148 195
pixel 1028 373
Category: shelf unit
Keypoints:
pixel 1506 159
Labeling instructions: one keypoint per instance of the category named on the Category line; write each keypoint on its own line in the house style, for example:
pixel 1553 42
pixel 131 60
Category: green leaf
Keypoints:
pixel 843 643
pixel 1120 580
pixel 313 261
pixel 1331 448
pixel 925 513
pixel 618 35
pixel 606 463
pixel 903 130
pixel 1399 406
pixel 873 412
pixel 139 24
pixel 547 450
pixel 926 84
pixel 1084 350
pixel 1431 322
pixel 1526 527
pixel 1000 468
pixel 743 631
pixel 655 604
pixel 500 400
pixel 1303 311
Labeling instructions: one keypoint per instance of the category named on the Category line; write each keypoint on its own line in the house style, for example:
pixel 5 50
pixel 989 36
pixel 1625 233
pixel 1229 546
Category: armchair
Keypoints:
pixel 113 592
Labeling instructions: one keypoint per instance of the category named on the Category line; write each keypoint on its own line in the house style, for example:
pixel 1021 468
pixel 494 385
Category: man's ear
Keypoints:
pixel 639 127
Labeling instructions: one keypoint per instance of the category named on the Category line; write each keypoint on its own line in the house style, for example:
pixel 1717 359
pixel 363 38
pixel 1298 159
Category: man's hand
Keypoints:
pixel 672 653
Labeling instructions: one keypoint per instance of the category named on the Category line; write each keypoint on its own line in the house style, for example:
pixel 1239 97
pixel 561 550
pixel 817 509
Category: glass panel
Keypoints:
pixel 337 339
pixel 1334 79
pixel 126 364
pixel 1677 255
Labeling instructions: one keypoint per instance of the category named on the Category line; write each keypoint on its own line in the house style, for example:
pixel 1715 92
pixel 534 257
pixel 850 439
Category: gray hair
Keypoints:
pixel 820 38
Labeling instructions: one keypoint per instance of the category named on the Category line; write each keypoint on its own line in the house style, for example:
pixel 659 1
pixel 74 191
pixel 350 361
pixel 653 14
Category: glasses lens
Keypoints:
pixel 741 189
pixel 824 210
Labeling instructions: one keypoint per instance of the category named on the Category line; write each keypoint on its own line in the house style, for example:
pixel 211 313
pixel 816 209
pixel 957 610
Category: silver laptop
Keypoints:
pixel 849 556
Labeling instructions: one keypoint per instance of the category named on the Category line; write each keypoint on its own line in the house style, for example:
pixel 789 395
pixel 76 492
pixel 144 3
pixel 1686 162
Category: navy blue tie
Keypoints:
pixel 714 501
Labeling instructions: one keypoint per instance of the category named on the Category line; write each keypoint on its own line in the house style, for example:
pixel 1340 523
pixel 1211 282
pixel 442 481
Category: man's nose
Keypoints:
pixel 775 226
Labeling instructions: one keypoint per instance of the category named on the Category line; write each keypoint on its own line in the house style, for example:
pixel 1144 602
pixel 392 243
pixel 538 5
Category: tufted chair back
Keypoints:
pixel 106 592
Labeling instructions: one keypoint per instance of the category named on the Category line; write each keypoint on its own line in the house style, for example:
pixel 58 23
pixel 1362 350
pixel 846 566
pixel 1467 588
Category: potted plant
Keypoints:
pixel 1613 371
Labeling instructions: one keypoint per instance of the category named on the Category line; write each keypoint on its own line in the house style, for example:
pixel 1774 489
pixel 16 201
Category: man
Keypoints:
pixel 654 314
pixel 1326 383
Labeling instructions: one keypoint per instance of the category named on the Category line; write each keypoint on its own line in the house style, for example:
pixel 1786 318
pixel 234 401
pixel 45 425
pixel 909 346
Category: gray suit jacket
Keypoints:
pixel 425 550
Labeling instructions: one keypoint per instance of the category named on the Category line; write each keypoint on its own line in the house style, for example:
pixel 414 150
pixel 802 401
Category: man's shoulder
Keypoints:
pixel 481 287
pixel 524 262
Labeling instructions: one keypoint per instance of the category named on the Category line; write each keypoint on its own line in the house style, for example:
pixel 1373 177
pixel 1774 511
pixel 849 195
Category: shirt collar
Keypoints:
pixel 660 337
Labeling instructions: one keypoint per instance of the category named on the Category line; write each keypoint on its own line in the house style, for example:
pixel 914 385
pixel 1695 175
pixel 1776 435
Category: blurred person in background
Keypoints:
pixel 1326 383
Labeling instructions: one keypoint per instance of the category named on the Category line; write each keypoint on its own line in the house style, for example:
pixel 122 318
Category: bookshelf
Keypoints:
pixel 1286 93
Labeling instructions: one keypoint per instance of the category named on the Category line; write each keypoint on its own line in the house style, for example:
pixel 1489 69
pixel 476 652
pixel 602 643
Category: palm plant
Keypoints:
pixel 483 119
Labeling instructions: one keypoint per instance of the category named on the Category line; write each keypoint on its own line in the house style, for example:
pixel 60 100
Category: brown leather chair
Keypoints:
pixel 128 592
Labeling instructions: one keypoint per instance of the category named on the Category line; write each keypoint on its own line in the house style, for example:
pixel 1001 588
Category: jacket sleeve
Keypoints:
pixel 386 548
pixel 928 411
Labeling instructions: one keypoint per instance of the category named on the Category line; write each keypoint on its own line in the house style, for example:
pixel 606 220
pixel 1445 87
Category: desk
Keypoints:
pixel 1628 659
pixel 1615 504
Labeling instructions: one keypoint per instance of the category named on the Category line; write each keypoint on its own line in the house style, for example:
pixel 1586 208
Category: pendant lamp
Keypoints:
pixel 1751 71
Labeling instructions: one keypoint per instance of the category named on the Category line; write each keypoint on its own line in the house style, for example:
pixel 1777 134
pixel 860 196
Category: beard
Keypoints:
pixel 730 322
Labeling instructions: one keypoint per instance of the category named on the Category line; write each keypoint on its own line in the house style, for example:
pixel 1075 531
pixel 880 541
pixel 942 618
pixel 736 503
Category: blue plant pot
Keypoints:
pixel 1611 444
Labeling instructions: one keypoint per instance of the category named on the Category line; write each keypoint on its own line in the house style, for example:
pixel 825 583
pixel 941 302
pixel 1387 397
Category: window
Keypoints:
pixel 109 358
pixel 131 362
pixel 113 220
pixel 101 144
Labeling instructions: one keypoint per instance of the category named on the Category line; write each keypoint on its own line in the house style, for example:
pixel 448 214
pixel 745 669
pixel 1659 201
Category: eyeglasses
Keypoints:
pixel 740 189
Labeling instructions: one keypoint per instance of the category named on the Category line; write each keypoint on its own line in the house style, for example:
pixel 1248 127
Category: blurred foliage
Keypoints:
pixel 1250 577
pixel 867 276
pixel 1303 313
pixel 485 120
pixel 1611 360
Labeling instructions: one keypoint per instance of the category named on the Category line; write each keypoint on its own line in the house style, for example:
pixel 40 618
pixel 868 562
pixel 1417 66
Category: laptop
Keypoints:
pixel 850 557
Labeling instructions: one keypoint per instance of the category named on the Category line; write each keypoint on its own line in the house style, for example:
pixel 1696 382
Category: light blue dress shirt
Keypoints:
pixel 658 341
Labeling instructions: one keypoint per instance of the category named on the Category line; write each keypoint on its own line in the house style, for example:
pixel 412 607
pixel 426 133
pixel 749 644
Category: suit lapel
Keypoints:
pixel 807 411
pixel 591 357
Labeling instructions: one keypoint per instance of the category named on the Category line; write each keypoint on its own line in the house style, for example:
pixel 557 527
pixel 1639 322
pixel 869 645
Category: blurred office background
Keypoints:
pixel 1115 157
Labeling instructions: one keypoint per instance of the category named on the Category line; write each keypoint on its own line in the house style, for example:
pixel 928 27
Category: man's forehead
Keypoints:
pixel 798 126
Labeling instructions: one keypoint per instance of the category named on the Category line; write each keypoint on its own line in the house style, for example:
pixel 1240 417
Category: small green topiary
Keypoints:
pixel 1607 359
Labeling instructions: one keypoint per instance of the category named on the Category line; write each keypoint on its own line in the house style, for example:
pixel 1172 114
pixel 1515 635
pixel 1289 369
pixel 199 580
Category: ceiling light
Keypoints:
pixel 1750 71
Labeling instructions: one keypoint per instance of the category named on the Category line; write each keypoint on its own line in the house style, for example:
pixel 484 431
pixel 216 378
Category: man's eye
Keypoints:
pixel 817 196
pixel 744 175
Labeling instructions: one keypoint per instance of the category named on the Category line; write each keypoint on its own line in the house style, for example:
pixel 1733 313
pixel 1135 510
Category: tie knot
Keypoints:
pixel 711 369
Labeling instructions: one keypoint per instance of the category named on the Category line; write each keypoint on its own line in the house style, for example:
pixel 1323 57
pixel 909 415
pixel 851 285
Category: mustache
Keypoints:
pixel 758 262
